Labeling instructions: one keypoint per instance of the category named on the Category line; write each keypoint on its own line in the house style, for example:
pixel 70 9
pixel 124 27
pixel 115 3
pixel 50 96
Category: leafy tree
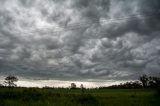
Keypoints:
pixel 144 79
pixel 9 81
pixel 154 82
pixel 73 85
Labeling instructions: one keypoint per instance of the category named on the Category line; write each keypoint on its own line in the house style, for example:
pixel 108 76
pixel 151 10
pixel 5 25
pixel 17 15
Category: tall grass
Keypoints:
pixel 66 97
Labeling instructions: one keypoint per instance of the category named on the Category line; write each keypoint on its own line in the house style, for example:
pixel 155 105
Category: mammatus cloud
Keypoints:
pixel 80 39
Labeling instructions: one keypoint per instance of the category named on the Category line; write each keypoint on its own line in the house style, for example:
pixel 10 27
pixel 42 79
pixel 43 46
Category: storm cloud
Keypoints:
pixel 80 39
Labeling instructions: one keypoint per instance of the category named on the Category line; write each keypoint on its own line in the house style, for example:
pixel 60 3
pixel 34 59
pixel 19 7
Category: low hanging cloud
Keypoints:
pixel 80 39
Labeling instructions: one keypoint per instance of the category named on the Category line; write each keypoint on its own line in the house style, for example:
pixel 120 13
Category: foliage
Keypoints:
pixel 126 94
pixel 154 82
pixel 144 82
pixel 69 97
pixel 144 79
pixel 73 86
pixel 9 81
pixel 127 85
pixel 150 81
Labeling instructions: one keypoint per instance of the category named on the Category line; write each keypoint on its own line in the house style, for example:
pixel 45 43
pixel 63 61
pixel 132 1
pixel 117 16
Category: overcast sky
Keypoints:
pixel 79 39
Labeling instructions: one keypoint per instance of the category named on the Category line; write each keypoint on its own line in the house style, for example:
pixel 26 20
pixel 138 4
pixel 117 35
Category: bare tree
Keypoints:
pixel 9 81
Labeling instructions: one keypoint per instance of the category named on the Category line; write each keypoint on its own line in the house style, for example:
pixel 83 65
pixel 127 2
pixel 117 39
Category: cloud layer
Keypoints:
pixel 79 39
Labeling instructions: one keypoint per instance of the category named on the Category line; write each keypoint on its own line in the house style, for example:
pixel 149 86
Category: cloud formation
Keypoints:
pixel 80 39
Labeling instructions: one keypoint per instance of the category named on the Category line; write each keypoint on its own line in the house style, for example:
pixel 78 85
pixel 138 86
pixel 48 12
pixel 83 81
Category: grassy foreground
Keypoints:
pixel 66 97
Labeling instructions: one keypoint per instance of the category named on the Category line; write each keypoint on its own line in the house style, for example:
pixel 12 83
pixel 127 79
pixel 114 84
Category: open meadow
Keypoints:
pixel 77 97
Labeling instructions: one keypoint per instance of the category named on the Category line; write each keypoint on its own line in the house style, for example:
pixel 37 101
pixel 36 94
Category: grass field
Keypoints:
pixel 75 97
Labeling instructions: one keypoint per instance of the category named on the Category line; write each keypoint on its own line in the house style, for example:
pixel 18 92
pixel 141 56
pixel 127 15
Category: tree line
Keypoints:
pixel 144 81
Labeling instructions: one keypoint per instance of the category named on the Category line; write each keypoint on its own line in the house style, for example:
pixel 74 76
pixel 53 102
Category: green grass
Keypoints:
pixel 66 97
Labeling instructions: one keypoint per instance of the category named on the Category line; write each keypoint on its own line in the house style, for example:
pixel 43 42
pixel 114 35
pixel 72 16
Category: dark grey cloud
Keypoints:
pixel 79 39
